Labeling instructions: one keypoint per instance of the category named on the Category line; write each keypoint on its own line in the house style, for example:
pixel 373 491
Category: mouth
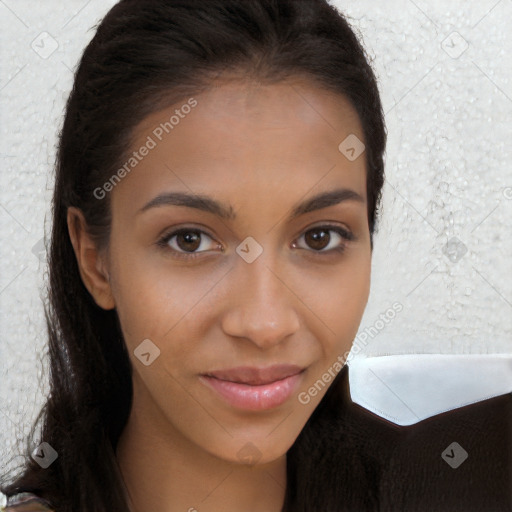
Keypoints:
pixel 255 389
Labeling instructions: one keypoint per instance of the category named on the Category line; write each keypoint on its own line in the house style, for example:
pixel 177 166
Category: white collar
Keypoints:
pixel 408 388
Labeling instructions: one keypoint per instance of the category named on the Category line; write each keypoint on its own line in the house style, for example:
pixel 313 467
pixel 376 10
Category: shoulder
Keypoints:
pixel 444 438
pixel 26 502
pixel 458 460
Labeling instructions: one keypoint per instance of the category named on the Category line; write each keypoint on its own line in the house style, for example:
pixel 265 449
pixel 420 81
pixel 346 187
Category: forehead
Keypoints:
pixel 245 137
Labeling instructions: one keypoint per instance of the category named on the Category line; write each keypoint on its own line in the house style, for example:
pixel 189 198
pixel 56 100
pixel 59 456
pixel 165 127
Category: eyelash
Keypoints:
pixel 346 235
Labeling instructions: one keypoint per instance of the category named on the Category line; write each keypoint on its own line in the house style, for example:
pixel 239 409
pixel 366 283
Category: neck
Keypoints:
pixel 169 473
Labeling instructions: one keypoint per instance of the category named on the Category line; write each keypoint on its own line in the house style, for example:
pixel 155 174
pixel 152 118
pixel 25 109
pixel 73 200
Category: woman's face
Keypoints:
pixel 266 284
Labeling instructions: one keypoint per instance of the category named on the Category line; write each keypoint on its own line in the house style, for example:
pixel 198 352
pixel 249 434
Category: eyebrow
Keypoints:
pixel 227 212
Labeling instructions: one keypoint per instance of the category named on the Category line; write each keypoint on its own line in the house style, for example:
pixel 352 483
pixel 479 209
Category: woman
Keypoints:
pixel 218 182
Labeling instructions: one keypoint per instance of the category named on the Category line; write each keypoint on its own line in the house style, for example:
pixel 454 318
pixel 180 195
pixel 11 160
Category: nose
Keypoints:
pixel 262 305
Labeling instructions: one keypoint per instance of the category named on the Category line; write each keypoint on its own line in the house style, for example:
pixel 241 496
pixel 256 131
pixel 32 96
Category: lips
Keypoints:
pixel 254 389
pixel 256 376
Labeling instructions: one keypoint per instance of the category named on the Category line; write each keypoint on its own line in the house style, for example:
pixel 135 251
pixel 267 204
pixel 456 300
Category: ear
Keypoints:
pixel 92 265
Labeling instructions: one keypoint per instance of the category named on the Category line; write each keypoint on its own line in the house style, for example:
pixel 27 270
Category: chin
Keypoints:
pixel 251 453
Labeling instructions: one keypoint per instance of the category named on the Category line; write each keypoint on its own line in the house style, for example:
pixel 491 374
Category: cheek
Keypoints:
pixel 160 303
pixel 144 303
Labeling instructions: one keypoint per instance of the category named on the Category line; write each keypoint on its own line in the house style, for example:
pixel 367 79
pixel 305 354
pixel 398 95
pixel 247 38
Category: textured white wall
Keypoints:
pixel 445 76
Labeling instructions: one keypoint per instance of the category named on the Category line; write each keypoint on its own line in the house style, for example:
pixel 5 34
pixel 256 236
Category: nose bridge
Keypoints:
pixel 262 308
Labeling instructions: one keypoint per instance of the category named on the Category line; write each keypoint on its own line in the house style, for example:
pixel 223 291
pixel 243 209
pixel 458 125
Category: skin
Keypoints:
pixel 262 149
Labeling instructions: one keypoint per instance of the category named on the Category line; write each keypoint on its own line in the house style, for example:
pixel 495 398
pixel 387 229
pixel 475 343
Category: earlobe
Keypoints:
pixel 91 264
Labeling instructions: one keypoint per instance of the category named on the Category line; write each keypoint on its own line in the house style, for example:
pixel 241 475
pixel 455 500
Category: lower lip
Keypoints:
pixel 254 398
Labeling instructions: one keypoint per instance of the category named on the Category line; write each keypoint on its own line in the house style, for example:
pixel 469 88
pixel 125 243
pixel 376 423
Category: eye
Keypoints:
pixel 187 239
pixel 322 242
